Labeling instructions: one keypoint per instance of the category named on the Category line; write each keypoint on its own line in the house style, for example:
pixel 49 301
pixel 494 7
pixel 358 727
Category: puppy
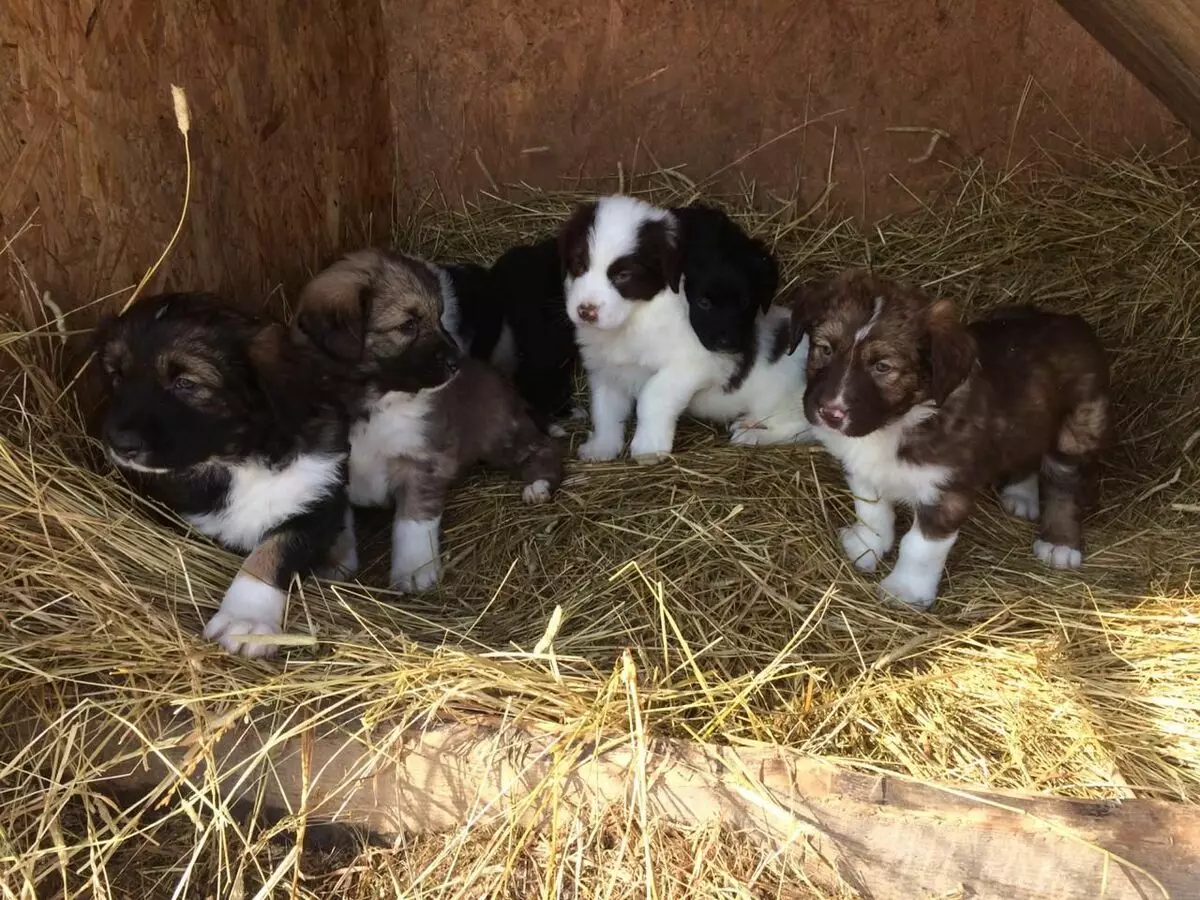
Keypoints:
pixel 218 415
pixel 922 411
pixel 634 328
pixel 472 313
pixel 422 412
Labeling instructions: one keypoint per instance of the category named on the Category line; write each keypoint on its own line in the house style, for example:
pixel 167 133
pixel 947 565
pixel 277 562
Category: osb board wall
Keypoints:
pixel 290 138
pixel 307 113
pixel 534 91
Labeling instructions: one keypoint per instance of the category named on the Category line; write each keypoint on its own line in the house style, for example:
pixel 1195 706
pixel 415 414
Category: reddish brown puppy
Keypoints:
pixel 923 411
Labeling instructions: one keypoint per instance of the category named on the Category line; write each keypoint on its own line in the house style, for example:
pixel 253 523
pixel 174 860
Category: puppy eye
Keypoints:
pixel 883 367
pixel 408 329
pixel 822 348
pixel 621 277
pixel 184 385
pixel 704 303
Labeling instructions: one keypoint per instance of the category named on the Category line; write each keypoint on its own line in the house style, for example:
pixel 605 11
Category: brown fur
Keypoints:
pixel 380 315
pixel 478 418
pixel 1016 393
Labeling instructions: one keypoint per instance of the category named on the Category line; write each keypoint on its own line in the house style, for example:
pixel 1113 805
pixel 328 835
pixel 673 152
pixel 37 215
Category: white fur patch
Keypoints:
pixel 260 497
pixel 451 308
pixel 918 572
pixel 504 354
pixel 872 462
pixel 1058 556
pixel 250 606
pixel 538 492
pixel 395 426
pixel 415 554
pixel 1020 498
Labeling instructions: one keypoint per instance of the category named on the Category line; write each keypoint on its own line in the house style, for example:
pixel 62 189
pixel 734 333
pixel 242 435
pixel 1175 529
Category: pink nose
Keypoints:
pixel 833 414
pixel 588 312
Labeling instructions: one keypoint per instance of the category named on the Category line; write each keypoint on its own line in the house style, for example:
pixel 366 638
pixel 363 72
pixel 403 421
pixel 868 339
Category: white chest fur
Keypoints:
pixel 395 426
pixel 873 463
pixel 261 497
pixel 656 336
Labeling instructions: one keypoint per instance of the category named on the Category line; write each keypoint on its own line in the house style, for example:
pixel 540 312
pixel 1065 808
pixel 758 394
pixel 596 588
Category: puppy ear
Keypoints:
pixel 662 238
pixel 949 349
pixel 279 375
pixel 572 239
pixel 806 302
pixel 333 311
pixel 764 276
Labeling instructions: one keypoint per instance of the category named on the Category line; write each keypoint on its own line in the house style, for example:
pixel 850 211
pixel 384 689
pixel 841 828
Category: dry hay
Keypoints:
pixel 719 572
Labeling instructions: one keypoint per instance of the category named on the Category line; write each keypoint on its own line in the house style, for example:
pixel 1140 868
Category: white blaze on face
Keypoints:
pixel 861 335
pixel 612 235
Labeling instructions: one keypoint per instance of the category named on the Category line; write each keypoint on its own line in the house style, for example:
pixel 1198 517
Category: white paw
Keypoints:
pixel 1058 556
pixel 596 450
pixel 538 492
pixel 912 588
pixel 1020 498
pixel 414 581
pixel 650 449
pixel 748 435
pixel 250 607
pixel 863 546
pixel 556 431
pixel 578 414
pixel 415 552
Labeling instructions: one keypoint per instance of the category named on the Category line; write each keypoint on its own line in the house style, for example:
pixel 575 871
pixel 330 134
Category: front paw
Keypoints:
pixel 746 433
pixel 537 492
pixel 598 449
pixel 650 449
pixel 1058 556
pixel 863 546
pixel 408 580
pixel 915 589
pixel 250 607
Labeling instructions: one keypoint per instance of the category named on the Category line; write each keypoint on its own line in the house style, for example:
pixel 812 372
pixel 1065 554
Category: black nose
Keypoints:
pixel 123 441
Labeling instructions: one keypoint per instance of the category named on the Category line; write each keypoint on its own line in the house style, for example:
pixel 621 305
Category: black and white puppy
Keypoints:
pixel 220 417
pixel 637 337
pixel 474 315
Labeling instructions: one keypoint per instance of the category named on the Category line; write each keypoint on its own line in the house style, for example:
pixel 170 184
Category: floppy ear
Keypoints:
pixel 280 376
pixel 949 349
pixel 333 311
pixel 806 303
pixel 572 239
pixel 764 275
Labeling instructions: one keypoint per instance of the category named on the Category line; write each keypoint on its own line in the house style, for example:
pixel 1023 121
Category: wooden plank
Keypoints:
pixel 1157 40
pixel 888 838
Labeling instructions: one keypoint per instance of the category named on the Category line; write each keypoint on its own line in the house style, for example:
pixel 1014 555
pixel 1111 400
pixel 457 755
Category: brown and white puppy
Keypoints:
pixel 220 417
pixel 422 413
pixel 923 411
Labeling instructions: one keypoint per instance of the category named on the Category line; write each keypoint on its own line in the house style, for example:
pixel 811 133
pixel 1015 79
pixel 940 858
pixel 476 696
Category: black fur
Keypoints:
pixel 480 314
pixel 529 281
pixel 728 277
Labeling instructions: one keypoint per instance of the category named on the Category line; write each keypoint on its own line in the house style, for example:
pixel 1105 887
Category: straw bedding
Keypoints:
pixel 720 572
